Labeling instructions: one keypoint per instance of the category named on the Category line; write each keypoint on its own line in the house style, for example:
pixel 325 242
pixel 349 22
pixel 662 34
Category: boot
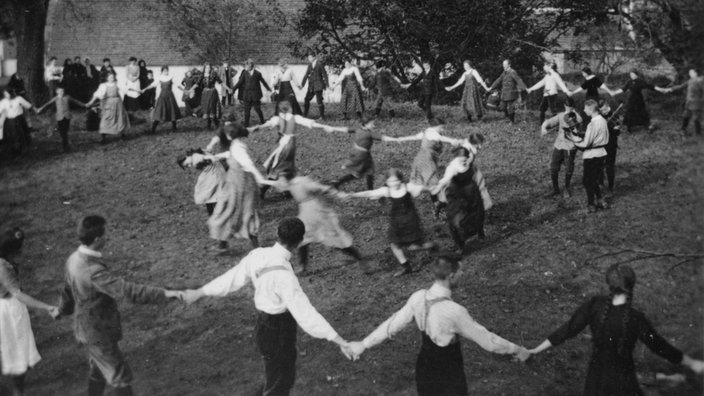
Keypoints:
pixel 698 127
pixel 254 240
pixel 96 387
pixel 154 124
pixel 321 109
pixel 685 123
pixel 173 126
pixel 377 111
pixel 392 113
pixel 124 391
pixel 306 108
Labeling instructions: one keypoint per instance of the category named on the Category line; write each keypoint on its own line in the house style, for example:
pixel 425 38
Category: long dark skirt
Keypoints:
pixel 16 134
pixel 465 209
pixel 440 370
pixel 404 224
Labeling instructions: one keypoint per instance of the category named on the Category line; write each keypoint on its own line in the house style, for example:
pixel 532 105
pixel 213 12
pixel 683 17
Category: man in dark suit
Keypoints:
pixel 317 79
pixel 251 91
pixel 226 74
pixel 511 87
pixel 430 83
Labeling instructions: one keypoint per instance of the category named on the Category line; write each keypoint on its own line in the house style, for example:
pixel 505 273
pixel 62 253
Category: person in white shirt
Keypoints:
pixel 14 129
pixel 282 82
pixel 564 150
pixel 552 83
pixel 593 144
pixel 52 75
pixel 281 304
pixel 440 367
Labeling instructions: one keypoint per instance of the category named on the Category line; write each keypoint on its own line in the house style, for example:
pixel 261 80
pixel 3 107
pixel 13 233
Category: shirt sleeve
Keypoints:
pixel 588 136
pixel 577 323
pixel 272 122
pixel 414 189
pixel 539 84
pixel 296 301
pixel 391 326
pixel 552 122
pixel 656 343
pixel 470 329
pixel 100 92
pixel 23 102
pixel 451 171
pixel 240 154
pixel 116 287
pixel 231 281
pixel 560 83
pixel 306 122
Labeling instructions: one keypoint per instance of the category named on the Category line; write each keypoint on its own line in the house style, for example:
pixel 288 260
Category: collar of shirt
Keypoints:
pixel 89 252
pixel 439 291
pixel 313 63
pixel 285 253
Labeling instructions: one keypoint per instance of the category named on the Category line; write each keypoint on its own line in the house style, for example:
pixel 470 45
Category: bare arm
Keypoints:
pixel 457 84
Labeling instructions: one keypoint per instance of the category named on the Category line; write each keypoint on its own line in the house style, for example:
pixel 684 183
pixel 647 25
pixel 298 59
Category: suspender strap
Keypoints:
pixel 270 269
pixel 428 305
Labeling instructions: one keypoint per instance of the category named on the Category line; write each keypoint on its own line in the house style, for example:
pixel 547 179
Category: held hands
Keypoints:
pixel 522 354
pixel 54 312
pixel 355 350
pixel 191 296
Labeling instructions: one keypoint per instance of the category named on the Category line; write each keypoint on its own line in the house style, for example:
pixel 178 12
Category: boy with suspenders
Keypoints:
pixel 440 367
pixel 280 302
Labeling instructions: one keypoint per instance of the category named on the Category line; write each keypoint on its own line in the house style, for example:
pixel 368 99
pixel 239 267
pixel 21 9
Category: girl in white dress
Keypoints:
pixel 18 351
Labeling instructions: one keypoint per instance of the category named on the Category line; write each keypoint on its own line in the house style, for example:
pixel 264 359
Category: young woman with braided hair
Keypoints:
pixel 616 326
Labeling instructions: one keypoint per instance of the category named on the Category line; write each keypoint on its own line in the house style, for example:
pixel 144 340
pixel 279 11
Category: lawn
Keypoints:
pixel 538 263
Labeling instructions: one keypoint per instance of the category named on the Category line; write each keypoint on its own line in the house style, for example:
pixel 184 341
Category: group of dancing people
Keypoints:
pixel 91 291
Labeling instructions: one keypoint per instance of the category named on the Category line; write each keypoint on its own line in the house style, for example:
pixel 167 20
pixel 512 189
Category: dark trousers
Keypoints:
pixel 558 158
pixel 509 109
pixel 63 126
pixel 440 370
pixel 227 99
pixel 107 366
pixel 257 105
pixel 609 166
pixel 318 98
pixel 276 340
pixel 548 102
pixel 593 168
pixel 425 102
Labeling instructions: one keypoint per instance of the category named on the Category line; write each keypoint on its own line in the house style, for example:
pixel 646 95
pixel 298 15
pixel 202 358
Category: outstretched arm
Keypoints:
pixel 417 136
pixel 381 192
pixel 479 79
pixel 457 84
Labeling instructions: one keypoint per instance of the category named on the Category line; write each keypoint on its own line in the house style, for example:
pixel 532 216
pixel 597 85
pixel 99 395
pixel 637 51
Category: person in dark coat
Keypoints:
pixel 429 81
pixel 92 78
pixel 249 85
pixel 511 86
pixel 636 110
pixel 317 79
pixel 106 69
pixel 616 327
pixel 694 101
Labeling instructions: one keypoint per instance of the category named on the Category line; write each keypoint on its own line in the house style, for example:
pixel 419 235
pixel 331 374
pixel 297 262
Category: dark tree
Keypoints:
pixel 25 20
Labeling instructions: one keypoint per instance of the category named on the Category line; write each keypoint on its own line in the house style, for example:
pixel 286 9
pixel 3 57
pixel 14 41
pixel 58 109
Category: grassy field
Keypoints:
pixel 535 267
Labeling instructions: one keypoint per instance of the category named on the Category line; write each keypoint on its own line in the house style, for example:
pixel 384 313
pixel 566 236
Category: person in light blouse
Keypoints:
pixel 440 367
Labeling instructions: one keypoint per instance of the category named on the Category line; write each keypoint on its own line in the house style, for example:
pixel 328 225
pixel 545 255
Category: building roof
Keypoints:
pixel 118 29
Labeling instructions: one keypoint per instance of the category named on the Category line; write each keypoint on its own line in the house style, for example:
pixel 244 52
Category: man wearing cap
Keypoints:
pixel 440 367
pixel 563 150
pixel 280 302
pixel 511 86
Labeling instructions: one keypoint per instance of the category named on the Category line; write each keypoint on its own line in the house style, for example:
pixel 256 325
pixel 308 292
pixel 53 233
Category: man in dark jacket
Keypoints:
pixel 317 79
pixel 89 294
pixel 429 83
pixel 251 91
pixel 511 87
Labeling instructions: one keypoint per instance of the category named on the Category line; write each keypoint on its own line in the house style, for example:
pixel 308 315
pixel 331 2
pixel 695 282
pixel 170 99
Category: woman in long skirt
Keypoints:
pixel 352 87
pixel 424 170
pixel 471 98
pixel 321 221
pixel 212 176
pixel 616 328
pixel 113 117
pixel 283 159
pixel 405 230
pixel 237 206
pixel 14 126
pixel 209 99
pixel 464 190
pixel 18 350
pixel 166 108
pixel 636 114
pixel 282 83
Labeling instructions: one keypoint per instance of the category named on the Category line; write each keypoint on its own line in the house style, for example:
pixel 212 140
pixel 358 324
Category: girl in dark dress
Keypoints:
pixel 405 230
pixel 636 114
pixel 461 188
pixel 616 326
pixel 166 108
pixel 146 100
pixel 592 83
pixel 210 100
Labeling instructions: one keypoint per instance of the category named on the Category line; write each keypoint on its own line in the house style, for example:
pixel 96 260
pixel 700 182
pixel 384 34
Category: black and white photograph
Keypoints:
pixel 351 197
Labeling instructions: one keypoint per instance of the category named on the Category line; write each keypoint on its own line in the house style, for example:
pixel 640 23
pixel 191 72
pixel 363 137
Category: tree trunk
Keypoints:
pixel 30 20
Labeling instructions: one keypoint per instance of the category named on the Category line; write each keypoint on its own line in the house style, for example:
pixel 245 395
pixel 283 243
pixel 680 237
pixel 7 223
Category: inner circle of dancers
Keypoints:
pixel 232 188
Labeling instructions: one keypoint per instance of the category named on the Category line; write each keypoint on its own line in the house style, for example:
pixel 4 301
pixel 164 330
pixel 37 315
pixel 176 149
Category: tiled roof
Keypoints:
pixel 119 29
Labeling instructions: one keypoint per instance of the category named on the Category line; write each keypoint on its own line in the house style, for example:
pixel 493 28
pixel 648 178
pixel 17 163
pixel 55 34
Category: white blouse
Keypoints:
pixel 351 70
pixel 13 108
